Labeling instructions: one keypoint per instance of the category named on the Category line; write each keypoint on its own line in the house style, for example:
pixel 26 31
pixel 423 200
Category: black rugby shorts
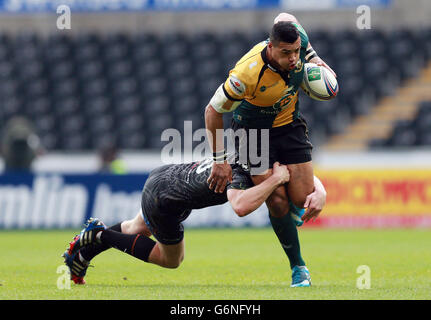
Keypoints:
pixel 163 218
pixel 288 144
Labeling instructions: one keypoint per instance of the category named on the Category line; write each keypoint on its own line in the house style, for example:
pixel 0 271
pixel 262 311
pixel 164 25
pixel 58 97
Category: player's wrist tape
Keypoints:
pixel 310 54
pixel 220 156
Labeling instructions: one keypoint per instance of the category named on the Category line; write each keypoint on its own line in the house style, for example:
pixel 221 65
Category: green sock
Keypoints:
pixel 287 234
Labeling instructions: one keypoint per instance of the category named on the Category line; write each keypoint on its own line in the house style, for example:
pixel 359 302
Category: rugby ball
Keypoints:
pixel 319 83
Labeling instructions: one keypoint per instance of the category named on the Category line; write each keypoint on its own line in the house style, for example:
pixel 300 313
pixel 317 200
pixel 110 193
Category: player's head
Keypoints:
pixel 284 45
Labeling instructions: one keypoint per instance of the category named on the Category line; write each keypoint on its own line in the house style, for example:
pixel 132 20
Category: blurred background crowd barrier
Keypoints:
pixel 82 108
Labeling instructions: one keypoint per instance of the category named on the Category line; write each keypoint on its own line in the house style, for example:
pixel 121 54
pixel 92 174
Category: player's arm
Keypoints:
pixel 315 201
pixel 246 201
pixel 311 54
pixel 317 60
pixel 226 98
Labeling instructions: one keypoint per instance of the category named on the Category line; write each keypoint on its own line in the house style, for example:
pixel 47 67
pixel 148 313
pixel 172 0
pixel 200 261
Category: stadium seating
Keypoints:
pixel 414 132
pixel 84 90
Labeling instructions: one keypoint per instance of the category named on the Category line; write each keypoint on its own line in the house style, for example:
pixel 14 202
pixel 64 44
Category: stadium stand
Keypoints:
pixel 373 129
pixel 412 132
pixel 85 90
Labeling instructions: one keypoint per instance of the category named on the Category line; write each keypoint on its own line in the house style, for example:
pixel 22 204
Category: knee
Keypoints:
pixel 134 226
pixel 278 205
pixel 174 264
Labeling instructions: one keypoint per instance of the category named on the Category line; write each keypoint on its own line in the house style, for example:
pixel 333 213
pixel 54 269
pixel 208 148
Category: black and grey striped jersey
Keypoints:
pixel 185 186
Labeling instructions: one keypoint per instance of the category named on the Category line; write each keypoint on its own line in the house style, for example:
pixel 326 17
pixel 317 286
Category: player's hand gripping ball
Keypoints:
pixel 319 83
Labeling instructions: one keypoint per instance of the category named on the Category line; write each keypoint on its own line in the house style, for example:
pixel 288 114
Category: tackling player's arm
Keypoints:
pixel 311 55
pixel 246 201
pixel 315 201
pixel 220 103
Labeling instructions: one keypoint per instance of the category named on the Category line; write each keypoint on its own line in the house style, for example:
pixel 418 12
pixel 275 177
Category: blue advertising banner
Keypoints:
pixel 61 201
pixel 332 4
pixel 356 3
pixel 34 6
pixel 56 201
pixel 31 6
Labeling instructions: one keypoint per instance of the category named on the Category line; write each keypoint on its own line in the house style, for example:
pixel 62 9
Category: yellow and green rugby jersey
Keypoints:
pixel 269 97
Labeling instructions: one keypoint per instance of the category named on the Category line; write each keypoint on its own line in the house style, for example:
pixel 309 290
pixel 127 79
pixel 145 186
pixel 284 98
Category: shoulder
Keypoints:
pixel 246 71
pixel 248 67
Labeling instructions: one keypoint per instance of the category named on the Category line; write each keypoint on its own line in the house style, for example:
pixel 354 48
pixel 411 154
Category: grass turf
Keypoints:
pixel 226 264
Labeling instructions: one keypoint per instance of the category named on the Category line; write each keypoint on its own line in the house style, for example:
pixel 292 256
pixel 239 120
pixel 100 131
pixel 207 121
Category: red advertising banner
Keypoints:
pixel 390 198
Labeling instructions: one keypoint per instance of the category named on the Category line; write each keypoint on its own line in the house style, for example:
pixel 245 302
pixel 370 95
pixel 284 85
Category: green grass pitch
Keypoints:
pixel 226 264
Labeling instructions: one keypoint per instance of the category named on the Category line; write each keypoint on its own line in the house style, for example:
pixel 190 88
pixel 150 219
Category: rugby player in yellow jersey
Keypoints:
pixel 262 92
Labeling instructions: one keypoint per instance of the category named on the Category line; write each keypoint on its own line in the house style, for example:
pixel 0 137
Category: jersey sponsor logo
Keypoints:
pixel 236 85
pixel 284 102
pixel 275 110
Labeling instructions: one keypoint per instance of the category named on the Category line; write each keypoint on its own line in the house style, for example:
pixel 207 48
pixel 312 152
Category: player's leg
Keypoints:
pixel 132 226
pixel 144 248
pixel 285 227
pixel 78 262
pixel 158 218
pixel 167 252
pixel 282 223
pixel 293 148
pixel 135 225
pixel 301 182
pixel 136 245
pixel 167 256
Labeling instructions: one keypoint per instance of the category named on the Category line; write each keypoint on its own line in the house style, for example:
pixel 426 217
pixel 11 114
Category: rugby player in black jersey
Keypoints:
pixel 169 195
